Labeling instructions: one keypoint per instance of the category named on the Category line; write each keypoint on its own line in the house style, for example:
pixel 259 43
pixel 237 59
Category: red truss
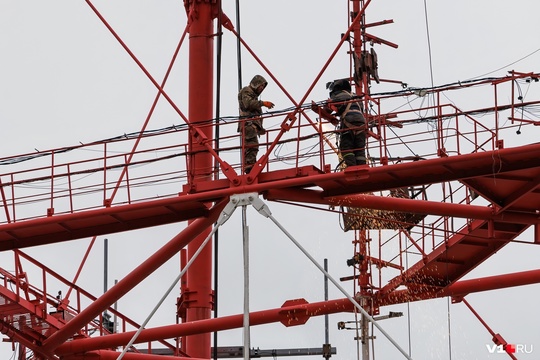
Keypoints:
pixel 474 193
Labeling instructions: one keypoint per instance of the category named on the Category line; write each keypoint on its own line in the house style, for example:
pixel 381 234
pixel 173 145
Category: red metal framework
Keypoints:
pixel 477 195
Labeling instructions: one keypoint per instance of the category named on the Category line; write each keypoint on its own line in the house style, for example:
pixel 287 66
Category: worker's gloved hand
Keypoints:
pixel 331 108
pixel 268 104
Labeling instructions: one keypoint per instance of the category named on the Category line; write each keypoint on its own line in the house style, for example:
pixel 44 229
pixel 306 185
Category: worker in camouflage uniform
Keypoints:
pixel 251 122
pixel 352 135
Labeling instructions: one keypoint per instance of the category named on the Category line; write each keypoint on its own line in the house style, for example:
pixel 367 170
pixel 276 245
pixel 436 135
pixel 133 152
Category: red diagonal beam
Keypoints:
pixel 147 120
pixel 497 338
pixel 134 278
pixel 196 132
pixel 289 120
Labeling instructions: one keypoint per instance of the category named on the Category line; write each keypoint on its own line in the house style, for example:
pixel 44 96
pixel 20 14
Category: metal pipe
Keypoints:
pixel 245 237
pixel 461 288
pixel 464 287
pixel 326 329
pixel 200 165
pixel 412 205
pixel 383 203
pixel 283 315
pixel 113 355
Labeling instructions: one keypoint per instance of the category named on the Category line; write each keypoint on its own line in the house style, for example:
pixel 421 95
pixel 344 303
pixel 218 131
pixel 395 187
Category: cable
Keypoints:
pixel 428 43
pixel 503 67
pixel 238 46
pixel 226 119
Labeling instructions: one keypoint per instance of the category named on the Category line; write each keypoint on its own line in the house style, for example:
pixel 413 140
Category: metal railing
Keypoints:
pixel 109 172
pixel 32 282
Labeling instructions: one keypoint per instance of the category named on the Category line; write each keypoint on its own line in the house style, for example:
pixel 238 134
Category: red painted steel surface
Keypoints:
pixel 286 314
pixel 201 90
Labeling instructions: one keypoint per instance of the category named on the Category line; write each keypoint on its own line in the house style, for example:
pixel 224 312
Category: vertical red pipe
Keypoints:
pixel 361 235
pixel 199 276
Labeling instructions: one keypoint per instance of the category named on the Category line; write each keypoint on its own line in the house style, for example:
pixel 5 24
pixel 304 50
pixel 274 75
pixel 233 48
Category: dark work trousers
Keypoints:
pixel 352 144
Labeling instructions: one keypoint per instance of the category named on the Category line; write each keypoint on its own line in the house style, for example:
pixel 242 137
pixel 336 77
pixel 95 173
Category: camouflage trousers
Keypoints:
pixel 250 145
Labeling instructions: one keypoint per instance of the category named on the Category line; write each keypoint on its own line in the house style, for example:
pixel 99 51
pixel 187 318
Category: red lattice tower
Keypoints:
pixel 445 204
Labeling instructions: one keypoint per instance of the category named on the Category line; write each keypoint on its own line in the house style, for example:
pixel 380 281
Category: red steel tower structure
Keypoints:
pixel 420 223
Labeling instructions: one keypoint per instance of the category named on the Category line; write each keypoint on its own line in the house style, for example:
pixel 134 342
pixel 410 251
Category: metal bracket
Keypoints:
pixel 243 200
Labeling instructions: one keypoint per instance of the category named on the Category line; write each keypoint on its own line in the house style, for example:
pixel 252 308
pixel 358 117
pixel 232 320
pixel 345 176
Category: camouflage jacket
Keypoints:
pixel 249 103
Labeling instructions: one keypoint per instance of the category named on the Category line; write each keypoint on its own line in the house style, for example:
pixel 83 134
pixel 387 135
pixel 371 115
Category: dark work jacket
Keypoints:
pixel 349 112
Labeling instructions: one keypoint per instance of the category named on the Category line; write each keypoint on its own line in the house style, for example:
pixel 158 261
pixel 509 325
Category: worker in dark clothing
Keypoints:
pixel 352 135
pixel 251 122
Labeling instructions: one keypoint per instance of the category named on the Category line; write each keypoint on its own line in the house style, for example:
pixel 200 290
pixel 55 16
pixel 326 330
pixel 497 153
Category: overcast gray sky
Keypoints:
pixel 64 79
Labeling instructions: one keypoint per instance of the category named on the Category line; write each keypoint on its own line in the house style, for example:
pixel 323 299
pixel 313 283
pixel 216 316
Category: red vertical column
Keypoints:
pixel 362 89
pixel 198 296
